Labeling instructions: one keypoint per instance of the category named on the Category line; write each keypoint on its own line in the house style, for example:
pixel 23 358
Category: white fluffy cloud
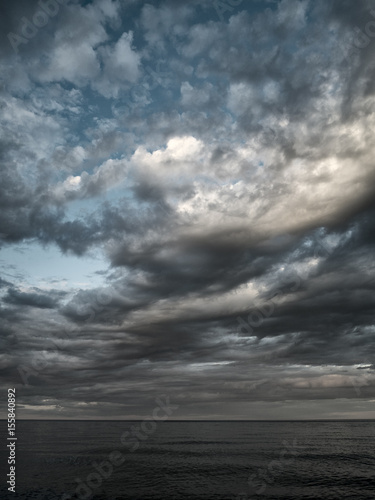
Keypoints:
pixel 121 66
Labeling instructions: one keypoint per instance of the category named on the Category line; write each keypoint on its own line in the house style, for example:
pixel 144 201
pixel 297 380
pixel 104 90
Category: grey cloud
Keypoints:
pixel 39 300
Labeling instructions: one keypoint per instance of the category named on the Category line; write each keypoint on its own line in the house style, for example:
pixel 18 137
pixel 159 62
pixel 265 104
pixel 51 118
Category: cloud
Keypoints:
pixel 39 300
pixel 121 67
pixel 221 171
pixel 85 185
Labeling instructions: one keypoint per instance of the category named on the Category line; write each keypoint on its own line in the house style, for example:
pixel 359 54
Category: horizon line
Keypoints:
pixel 190 420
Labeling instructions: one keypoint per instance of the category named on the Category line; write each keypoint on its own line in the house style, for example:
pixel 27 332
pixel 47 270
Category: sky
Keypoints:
pixel 187 208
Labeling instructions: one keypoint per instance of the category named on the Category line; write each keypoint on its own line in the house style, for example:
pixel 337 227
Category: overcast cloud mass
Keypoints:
pixel 187 208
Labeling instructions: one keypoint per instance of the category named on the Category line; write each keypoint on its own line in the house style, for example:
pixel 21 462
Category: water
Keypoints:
pixel 195 460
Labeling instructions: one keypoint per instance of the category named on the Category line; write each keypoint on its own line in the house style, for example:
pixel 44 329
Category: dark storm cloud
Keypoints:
pixel 224 168
pixel 39 300
pixel 4 283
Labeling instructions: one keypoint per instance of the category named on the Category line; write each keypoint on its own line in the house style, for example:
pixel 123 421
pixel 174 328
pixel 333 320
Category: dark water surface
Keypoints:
pixel 194 460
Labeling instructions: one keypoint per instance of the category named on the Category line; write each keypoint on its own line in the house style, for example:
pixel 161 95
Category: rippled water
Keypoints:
pixel 196 460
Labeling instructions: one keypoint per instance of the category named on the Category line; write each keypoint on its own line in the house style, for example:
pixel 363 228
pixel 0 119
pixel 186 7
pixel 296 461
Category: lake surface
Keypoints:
pixel 193 460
